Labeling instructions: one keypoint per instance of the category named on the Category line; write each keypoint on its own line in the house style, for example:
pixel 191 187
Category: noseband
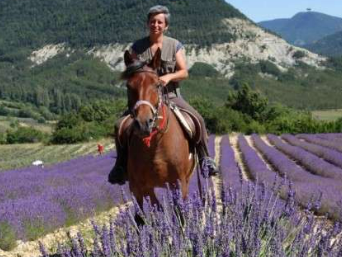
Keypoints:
pixel 153 126
pixel 144 102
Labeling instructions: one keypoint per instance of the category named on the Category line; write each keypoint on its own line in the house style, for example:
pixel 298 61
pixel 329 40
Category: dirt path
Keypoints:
pixel 250 142
pixel 238 158
pixel 217 181
pixel 50 241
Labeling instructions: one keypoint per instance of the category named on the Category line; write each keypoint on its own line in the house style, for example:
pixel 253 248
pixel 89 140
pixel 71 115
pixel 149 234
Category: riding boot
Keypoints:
pixel 207 164
pixel 118 174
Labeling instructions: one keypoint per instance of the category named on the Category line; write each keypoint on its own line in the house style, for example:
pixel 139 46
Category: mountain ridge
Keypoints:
pixel 330 45
pixel 304 27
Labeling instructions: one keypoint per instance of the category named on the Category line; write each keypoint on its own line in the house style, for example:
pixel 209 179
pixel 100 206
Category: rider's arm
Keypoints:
pixel 181 69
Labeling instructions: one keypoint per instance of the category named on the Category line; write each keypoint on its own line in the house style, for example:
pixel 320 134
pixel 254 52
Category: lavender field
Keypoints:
pixel 264 203
pixel 37 200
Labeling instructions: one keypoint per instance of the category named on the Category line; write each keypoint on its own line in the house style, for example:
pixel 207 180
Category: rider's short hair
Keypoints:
pixel 157 9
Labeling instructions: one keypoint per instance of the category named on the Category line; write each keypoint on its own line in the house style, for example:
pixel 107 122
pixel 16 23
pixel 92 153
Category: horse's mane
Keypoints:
pixel 132 68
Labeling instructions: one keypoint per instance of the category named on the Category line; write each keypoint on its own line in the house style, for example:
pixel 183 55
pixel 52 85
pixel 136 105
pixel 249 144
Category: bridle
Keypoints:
pixel 162 104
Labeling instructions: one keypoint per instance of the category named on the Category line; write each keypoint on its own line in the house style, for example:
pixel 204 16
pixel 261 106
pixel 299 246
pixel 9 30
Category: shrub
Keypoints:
pixel 203 69
pixel 41 120
pixel 28 113
pixel 3 138
pixel 68 135
pixel 269 68
pixel 7 237
pixel 248 102
pixel 255 127
pixel 24 135
pixel 335 63
pixel 298 54
pixel 69 121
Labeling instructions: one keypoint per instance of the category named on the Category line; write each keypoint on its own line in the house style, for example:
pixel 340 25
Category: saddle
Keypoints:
pixel 188 121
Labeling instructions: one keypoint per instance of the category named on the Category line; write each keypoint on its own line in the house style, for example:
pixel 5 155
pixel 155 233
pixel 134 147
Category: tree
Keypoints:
pixel 248 102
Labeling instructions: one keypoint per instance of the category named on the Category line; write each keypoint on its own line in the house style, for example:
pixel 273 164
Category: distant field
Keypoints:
pixel 327 115
pixel 22 155
pixel 5 123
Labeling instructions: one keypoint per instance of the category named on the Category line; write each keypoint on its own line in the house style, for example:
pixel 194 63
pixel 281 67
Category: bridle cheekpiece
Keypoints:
pixel 154 128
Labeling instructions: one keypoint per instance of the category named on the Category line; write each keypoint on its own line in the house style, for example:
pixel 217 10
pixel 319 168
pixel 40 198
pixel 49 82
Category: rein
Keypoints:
pixel 160 128
pixel 164 124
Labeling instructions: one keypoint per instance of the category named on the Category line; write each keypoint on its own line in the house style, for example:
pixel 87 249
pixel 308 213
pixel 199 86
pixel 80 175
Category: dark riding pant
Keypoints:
pixel 181 103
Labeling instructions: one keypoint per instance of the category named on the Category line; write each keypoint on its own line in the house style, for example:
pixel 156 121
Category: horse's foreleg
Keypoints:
pixel 153 198
pixel 140 201
pixel 185 188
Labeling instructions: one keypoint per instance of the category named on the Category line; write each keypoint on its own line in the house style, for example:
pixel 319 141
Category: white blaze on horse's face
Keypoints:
pixel 143 94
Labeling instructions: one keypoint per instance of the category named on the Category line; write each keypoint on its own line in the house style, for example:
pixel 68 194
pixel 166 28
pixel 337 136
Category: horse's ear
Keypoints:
pixel 128 58
pixel 156 60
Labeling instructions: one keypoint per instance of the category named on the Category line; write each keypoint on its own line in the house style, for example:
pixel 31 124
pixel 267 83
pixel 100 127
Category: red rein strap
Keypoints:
pixel 147 140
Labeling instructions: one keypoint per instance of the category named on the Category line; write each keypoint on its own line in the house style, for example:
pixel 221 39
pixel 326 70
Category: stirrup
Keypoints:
pixel 208 167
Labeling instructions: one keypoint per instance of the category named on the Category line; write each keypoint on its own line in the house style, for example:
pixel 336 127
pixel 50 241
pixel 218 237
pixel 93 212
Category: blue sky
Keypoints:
pixel 261 10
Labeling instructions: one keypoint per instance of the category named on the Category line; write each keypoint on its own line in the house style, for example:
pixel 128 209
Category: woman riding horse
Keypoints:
pixel 172 70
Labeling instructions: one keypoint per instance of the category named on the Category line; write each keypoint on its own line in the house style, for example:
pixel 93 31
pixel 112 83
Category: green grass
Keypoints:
pixel 22 155
pixel 7 236
pixel 327 115
pixel 5 124
pixel 215 89
pixel 302 87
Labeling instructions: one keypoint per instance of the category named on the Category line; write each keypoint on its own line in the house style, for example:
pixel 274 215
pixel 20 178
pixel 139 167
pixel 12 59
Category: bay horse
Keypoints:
pixel 159 152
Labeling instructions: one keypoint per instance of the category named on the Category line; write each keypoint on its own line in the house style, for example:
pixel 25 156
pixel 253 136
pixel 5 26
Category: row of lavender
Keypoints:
pixel 36 200
pixel 250 221
pixel 312 171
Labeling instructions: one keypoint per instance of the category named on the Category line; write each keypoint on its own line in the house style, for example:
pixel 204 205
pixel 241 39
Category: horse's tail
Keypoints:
pixel 199 182
pixel 204 184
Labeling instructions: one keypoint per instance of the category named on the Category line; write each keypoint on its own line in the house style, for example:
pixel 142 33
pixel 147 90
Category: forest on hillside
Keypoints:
pixel 62 85
pixel 85 23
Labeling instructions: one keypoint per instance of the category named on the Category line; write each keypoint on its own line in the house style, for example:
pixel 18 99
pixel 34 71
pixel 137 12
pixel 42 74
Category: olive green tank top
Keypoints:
pixel 168 57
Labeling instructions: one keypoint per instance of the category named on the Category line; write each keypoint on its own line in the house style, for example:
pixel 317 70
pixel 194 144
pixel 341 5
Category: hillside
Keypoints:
pixel 304 27
pixel 330 45
pixel 55 58
pixel 87 23
pixel 251 44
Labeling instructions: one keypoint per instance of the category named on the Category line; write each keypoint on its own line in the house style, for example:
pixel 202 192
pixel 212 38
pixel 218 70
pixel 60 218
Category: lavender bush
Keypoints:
pixel 323 142
pixel 36 200
pixel 256 167
pixel 328 154
pixel 211 146
pixel 337 137
pixel 247 222
pixel 230 171
pixel 310 161
pixel 306 185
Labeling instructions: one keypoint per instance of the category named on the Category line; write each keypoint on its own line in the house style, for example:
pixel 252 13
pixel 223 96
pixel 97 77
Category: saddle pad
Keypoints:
pixel 189 123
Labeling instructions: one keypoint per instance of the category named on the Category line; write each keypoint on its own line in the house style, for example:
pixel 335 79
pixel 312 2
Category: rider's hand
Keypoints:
pixel 165 79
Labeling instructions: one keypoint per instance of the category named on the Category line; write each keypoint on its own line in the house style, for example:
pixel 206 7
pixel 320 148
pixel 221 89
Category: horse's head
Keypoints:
pixel 143 90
